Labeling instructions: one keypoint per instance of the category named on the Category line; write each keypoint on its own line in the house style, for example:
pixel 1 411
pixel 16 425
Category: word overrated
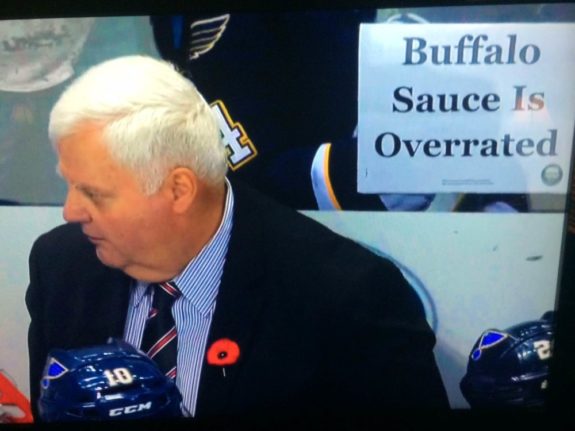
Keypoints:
pixel 389 144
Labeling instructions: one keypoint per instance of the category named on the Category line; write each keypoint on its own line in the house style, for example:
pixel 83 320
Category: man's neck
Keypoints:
pixel 190 234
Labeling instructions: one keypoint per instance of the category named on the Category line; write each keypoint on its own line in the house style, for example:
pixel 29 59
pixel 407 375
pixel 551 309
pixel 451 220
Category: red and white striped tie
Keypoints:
pixel 160 341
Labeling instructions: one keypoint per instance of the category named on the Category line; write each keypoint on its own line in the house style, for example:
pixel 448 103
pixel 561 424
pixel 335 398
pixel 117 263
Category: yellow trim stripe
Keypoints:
pixel 458 202
pixel 327 180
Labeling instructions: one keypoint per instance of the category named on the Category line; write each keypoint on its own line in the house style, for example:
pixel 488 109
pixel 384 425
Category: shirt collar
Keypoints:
pixel 200 280
pixel 140 290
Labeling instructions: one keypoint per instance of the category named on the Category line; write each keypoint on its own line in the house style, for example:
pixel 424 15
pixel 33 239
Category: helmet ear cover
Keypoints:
pixel 108 382
pixel 510 368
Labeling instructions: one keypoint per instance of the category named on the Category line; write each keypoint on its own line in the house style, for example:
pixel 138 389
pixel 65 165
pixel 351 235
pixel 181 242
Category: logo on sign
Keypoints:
pixel 551 174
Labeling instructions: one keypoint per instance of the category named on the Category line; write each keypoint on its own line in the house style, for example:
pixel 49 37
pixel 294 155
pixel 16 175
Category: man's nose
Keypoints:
pixel 74 211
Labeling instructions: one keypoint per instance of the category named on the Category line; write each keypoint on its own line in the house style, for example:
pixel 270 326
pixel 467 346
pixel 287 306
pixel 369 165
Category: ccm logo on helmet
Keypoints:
pixel 131 409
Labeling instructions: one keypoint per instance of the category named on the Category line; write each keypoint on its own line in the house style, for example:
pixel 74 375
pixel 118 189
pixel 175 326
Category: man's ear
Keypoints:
pixel 182 188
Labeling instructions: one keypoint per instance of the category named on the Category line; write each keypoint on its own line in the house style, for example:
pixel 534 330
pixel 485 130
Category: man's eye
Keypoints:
pixel 92 195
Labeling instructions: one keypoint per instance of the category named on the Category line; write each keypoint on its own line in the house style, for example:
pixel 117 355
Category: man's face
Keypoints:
pixel 128 228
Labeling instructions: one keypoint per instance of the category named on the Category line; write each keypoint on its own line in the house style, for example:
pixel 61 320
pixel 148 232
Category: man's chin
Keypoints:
pixel 135 270
pixel 108 260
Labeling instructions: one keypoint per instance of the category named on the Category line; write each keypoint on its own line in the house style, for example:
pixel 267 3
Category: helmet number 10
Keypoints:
pixel 118 376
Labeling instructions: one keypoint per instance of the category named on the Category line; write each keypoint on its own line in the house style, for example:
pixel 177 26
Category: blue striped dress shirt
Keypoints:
pixel 193 311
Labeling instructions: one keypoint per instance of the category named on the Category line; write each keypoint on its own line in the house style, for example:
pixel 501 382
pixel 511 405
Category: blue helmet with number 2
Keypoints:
pixel 108 382
pixel 510 368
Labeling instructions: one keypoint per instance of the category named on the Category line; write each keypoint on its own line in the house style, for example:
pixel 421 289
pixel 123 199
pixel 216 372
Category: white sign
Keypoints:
pixel 487 108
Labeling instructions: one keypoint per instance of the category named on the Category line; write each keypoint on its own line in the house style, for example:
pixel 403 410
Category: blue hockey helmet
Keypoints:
pixel 108 382
pixel 510 368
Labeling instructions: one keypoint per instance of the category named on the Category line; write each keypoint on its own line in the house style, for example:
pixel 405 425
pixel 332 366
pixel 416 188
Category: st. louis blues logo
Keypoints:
pixel 488 339
pixel 54 370
pixel 204 34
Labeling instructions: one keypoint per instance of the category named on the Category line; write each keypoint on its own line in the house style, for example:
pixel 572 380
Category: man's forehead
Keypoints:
pixel 81 158
pixel 73 178
pixel 85 144
pixel 84 161
pixel 81 134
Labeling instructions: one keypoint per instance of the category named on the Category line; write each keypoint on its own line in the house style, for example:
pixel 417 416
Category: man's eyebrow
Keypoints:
pixel 82 186
pixel 92 189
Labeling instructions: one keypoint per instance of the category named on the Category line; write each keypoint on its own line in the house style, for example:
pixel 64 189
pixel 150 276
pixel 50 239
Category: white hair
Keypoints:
pixel 153 119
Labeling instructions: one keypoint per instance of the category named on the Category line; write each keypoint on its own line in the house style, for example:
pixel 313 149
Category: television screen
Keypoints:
pixel 439 137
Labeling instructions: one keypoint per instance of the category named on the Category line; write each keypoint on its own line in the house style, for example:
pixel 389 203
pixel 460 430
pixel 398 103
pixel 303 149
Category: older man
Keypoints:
pixel 313 322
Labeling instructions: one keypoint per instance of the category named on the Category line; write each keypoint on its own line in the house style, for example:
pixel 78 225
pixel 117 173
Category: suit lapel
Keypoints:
pixel 238 305
pixel 102 307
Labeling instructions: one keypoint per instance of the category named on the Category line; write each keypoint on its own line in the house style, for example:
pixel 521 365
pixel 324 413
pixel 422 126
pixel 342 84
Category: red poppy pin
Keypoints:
pixel 223 352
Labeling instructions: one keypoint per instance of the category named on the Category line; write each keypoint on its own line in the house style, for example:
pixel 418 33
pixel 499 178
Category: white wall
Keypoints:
pixel 481 270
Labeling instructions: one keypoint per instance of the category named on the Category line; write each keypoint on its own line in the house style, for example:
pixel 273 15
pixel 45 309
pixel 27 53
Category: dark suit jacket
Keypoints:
pixel 323 325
